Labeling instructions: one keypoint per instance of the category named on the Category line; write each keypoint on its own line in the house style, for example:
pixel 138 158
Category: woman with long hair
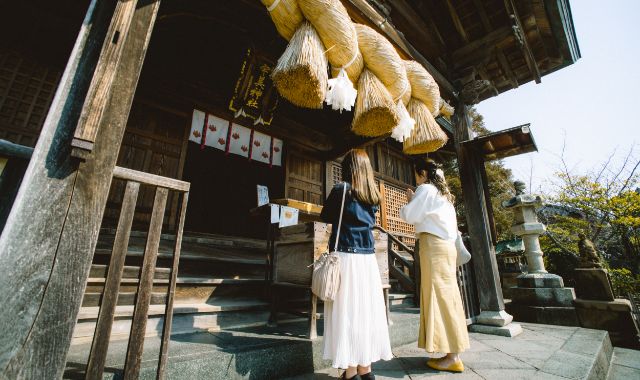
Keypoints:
pixel 355 323
pixel 443 326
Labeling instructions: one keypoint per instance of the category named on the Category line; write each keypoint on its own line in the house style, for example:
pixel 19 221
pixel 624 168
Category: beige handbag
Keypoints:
pixel 326 270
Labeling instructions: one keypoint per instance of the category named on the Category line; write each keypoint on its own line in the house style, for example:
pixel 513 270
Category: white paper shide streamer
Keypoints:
pixel 341 95
pixel 403 130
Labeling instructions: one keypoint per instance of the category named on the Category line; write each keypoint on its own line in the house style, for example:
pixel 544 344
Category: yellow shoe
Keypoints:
pixel 455 367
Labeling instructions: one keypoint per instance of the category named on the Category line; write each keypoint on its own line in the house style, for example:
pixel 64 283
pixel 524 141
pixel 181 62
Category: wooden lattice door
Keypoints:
pixel 304 181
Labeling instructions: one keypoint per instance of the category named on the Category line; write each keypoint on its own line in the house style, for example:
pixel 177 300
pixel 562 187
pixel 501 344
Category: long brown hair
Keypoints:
pixel 357 170
pixel 430 167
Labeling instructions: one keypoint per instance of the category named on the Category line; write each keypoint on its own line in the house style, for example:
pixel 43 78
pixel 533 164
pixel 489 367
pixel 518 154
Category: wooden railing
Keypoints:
pixel 100 344
pixel 409 275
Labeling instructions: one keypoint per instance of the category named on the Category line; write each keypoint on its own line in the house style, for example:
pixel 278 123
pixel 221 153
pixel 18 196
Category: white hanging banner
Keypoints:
pixel 261 147
pixel 217 131
pixel 240 140
pixel 197 122
pixel 276 152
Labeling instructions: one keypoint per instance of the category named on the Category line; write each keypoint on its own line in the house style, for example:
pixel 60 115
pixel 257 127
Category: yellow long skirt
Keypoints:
pixel 443 326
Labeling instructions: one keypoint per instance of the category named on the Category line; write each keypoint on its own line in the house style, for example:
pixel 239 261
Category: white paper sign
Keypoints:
pixel 275 213
pixel 263 195
pixel 240 140
pixel 288 216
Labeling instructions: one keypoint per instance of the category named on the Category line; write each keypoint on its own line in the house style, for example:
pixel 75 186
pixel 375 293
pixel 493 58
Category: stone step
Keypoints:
pixel 625 364
pixel 257 352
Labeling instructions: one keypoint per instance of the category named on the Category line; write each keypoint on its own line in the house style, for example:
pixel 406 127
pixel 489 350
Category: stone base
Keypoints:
pixel 593 284
pixel 510 330
pixel 508 280
pixel 494 318
pixel 613 316
pixel 540 280
pixel 543 296
pixel 551 315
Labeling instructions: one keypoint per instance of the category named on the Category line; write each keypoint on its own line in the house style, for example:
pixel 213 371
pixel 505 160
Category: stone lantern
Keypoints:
pixel 527 226
pixel 540 297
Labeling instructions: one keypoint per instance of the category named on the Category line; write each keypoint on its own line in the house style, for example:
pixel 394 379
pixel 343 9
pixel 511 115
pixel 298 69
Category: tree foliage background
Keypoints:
pixel 603 203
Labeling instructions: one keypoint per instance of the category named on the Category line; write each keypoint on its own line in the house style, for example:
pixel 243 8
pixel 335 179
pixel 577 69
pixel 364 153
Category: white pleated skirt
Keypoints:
pixel 355 323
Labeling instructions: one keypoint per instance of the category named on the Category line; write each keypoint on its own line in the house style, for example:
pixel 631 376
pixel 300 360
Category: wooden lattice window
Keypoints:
pixel 26 92
pixel 394 199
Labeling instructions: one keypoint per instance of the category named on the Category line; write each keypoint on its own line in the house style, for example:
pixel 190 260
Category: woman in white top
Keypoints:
pixel 443 326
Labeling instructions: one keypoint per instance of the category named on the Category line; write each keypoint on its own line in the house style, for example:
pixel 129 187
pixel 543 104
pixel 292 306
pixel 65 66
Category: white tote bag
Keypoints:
pixel 463 256
pixel 326 270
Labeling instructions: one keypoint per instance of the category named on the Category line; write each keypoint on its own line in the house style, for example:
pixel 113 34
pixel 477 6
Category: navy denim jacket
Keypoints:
pixel 358 219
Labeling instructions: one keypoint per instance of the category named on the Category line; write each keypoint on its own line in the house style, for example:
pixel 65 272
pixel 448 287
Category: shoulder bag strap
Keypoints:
pixel 344 192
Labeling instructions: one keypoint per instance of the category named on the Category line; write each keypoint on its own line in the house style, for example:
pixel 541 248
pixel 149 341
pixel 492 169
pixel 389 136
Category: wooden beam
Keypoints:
pixel 470 165
pixel 96 100
pixel 512 11
pixel 386 28
pixel 404 10
pixel 506 67
pixel 456 21
pixel 46 247
pixel 478 49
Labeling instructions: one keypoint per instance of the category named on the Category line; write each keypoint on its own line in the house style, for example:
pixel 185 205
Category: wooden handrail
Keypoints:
pixel 11 150
pixel 150 179
pixel 396 240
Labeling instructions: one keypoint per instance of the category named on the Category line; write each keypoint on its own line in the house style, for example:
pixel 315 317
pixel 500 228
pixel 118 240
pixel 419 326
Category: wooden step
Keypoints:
pixel 93 299
pixel 201 254
pixel 213 306
pixel 100 271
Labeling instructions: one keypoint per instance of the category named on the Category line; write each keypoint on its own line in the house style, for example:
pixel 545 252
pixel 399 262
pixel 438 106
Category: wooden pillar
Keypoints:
pixel 471 167
pixel 47 246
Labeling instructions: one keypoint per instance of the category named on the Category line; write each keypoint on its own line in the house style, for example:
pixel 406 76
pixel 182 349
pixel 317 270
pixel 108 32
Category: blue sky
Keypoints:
pixel 595 102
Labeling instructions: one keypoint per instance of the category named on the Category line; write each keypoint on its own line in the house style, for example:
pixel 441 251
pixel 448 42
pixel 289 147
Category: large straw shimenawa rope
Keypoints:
pixel 382 59
pixel 423 86
pixel 286 15
pixel 427 136
pixel 446 109
pixel 375 112
pixel 336 30
pixel 301 72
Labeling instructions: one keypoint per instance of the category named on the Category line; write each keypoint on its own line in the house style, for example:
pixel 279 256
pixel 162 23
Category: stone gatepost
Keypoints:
pixel 540 297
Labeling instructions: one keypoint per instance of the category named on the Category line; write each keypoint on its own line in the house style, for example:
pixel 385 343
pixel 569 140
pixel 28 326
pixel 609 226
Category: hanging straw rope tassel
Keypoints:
pixel 375 113
pixel 286 16
pixel 405 126
pixel 301 72
pixel 338 34
pixel 427 136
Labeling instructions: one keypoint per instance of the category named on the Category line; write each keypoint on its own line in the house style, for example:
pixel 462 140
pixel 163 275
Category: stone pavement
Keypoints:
pixel 540 352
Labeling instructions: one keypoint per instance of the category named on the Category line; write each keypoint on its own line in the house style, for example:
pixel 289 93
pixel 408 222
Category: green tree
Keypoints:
pixel 602 204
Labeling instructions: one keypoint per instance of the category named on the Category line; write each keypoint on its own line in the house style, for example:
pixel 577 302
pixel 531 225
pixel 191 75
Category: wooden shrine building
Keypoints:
pixel 99 102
